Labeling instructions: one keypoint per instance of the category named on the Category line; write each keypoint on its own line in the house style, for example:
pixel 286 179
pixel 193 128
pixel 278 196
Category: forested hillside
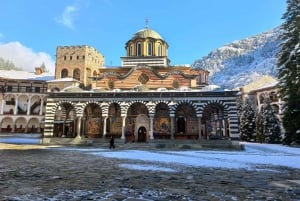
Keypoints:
pixel 7 65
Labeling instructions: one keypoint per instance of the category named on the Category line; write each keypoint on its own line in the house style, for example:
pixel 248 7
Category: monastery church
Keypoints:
pixel 144 100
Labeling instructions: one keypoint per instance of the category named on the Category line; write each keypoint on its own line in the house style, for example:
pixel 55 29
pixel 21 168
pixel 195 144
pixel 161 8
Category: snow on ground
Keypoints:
pixel 254 157
pixel 19 140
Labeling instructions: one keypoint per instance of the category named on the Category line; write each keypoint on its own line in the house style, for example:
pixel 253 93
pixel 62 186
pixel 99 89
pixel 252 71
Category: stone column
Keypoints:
pixel 200 128
pixel 16 104
pixel 41 107
pixel 2 105
pixel 172 126
pixel 151 127
pixel 104 126
pixel 28 105
pixel 83 127
pixel 78 127
pixel 123 127
pixel 223 128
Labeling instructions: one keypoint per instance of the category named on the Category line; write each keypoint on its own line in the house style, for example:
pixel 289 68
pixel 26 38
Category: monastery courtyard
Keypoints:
pixel 35 172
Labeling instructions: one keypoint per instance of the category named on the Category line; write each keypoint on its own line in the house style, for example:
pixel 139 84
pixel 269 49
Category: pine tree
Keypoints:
pixel 289 72
pixel 260 135
pixel 270 126
pixel 247 122
pixel 43 66
pixel 239 103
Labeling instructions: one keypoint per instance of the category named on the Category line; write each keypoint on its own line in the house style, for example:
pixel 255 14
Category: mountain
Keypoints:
pixel 243 61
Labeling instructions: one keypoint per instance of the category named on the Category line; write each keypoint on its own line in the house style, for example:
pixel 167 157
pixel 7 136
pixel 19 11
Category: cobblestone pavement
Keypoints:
pixel 33 172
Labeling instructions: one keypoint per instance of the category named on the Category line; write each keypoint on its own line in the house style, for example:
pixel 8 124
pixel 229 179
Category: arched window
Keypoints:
pixel 76 74
pixel 261 98
pixel 139 49
pixel 64 73
pixel 273 96
pixel 275 107
pixel 149 49
pixel 131 50
pixel 158 49
pixel 199 80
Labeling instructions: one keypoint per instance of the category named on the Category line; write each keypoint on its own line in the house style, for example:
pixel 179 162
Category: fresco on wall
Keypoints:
pixel 93 126
pixel 162 126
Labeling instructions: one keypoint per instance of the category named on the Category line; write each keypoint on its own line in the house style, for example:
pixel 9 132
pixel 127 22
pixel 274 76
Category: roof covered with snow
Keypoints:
pixel 14 74
pixel 260 83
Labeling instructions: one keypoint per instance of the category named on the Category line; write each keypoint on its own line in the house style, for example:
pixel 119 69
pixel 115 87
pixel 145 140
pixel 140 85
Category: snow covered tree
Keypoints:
pixel 247 122
pixel 260 135
pixel 239 103
pixel 43 66
pixel 289 72
pixel 268 126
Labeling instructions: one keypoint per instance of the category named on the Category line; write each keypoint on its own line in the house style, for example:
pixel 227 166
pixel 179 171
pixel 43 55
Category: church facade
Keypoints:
pixel 145 99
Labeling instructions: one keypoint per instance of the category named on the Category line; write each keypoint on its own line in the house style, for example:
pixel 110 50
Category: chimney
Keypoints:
pixel 38 70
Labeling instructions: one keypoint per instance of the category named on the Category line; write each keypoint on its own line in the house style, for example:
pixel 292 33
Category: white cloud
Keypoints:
pixel 67 17
pixel 25 57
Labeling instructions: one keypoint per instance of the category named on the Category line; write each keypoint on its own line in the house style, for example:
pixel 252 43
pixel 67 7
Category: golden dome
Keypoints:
pixel 147 33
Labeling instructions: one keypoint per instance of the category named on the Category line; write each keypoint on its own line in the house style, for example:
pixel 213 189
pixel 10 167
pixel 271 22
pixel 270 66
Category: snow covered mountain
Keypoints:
pixel 242 62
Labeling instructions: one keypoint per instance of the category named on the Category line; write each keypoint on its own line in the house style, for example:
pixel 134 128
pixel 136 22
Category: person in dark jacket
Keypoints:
pixel 112 142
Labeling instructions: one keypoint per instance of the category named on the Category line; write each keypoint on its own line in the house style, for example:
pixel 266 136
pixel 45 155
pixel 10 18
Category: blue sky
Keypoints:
pixel 192 28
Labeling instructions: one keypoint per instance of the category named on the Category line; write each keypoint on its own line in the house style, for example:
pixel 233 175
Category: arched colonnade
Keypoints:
pixel 138 121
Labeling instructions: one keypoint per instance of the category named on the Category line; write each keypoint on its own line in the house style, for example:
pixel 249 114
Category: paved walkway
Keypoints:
pixel 34 172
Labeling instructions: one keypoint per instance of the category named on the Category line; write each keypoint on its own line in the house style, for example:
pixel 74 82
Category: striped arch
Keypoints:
pixel 53 109
pixel 126 107
pixel 83 106
pixel 107 105
pixel 168 103
pixel 175 106
pixel 151 107
pixel 211 102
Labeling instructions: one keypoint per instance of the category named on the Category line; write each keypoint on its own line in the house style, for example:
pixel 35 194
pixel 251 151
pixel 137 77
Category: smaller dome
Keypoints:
pixel 147 33
pixel 72 89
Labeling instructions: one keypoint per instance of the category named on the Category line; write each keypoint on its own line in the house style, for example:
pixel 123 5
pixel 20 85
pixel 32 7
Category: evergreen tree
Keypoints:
pixel 289 71
pixel 260 135
pixel 247 122
pixel 43 66
pixel 239 103
pixel 7 65
pixel 268 125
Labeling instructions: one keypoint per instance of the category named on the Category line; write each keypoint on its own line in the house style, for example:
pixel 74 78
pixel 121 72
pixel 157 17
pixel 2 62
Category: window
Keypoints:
pixel 139 49
pixel 77 57
pixel 158 50
pixel 70 57
pixel 9 88
pixel 64 73
pixel 76 74
pixel 149 49
pixel 65 57
pixel 83 57
pixel 131 50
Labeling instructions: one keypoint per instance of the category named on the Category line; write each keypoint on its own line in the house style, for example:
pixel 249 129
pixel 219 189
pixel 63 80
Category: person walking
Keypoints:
pixel 112 142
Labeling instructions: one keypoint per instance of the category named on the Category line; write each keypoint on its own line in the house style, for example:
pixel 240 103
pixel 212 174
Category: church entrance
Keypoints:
pixel 142 134
pixel 181 125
